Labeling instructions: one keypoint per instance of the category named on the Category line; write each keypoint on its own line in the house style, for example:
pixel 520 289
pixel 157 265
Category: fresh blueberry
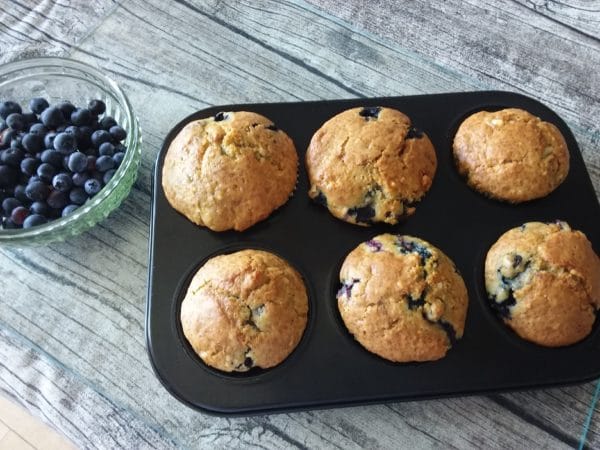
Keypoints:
pixel 69 209
pixel 19 193
pixel 92 186
pixel 61 129
pixel 8 176
pixel 12 157
pixel 15 121
pixel 52 117
pixel 16 143
pixel 99 137
pixel 104 163
pixel 65 143
pixel 10 203
pixel 49 139
pixel 8 224
pixel 370 113
pixel 57 200
pixel 53 157
pixel 29 166
pixel 118 158
pixel 79 178
pixel 19 214
pixel 6 137
pixel 40 208
pixel 73 131
pixel 62 182
pixel 37 191
pixel 29 118
pixel 8 108
pixel 81 116
pixel 66 108
pixel 3 125
pixel 106 149
pixel 78 196
pixel 38 104
pixel 39 129
pixel 91 163
pixel 46 172
pixel 34 220
pixel 78 162
pixel 84 140
pixel 108 175
pixel 32 142
pixel 96 107
pixel 220 116
pixel 118 133
pixel 107 123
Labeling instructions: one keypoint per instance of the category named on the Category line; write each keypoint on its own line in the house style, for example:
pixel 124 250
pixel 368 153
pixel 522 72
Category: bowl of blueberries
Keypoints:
pixel 70 149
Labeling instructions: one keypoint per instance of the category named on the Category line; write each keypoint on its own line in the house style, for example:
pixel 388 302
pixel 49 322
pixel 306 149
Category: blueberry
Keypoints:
pixel 118 158
pixel 61 129
pixel 107 123
pixel 10 203
pixel 19 193
pixel 8 136
pixel 96 107
pixel 99 137
pixel 29 118
pixel 84 140
pixel 15 121
pixel 38 104
pixel 52 117
pixel 362 214
pixel 8 224
pixel 78 162
pixel 53 157
pixel 12 157
pixel 106 149
pixel 414 133
pixel 65 143
pixel 78 196
pixel 69 209
pixel 220 116
pixel 81 116
pixel 57 200
pixel 79 178
pixel 34 220
pixel 29 166
pixel 46 172
pixel 118 133
pixel 19 214
pixel 62 182
pixel 8 176
pixel 39 129
pixel 16 143
pixel 108 175
pixel 37 191
pixel 32 142
pixel 8 108
pixel 40 208
pixel 370 113
pixel 66 108
pixel 49 139
pixel 374 245
pixel 73 131
pixel 92 186
pixel 97 175
pixel 104 163
pixel 91 163
pixel 3 125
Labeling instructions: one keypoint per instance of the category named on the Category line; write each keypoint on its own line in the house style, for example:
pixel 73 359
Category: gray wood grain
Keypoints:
pixel 72 316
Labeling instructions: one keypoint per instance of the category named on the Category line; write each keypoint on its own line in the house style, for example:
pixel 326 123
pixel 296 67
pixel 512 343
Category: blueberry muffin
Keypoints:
pixel 245 309
pixel 370 165
pixel 543 280
pixel 511 155
pixel 229 171
pixel 402 298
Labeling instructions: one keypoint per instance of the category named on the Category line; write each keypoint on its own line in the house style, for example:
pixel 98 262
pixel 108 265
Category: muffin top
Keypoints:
pixel 543 279
pixel 402 298
pixel 370 165
pixel 229 171
pixel 245 309
pixel 511 155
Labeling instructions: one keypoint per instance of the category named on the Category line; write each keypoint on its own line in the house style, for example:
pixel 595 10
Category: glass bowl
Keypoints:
pixel 59 79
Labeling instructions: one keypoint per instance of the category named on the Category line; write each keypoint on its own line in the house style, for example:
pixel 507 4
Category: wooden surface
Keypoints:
pixel 72 346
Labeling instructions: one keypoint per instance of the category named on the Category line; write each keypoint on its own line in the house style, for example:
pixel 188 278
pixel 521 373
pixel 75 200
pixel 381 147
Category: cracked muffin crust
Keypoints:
pixel 245 309
pixel 229 171
pixel 370 165
pixel 543 280
pixel 402 298
pixel 511 155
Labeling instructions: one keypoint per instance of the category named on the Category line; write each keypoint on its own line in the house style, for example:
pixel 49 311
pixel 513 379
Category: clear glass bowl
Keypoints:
pixel 59 79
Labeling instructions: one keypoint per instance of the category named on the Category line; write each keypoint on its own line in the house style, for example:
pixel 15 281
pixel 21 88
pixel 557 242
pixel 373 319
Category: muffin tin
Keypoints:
pixel 329 368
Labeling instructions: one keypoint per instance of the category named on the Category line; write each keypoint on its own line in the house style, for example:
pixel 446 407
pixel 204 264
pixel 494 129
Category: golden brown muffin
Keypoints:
pixel 245 309
pixel 402 298
pixel 544 281
pixel 511 155
pixel 229 171
pixel 370 165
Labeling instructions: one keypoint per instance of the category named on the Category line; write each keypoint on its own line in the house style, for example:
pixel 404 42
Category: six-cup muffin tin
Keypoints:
pixel 329 368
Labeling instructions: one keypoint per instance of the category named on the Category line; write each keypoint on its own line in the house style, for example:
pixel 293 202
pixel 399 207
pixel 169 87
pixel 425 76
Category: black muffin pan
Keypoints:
pixel 329 368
